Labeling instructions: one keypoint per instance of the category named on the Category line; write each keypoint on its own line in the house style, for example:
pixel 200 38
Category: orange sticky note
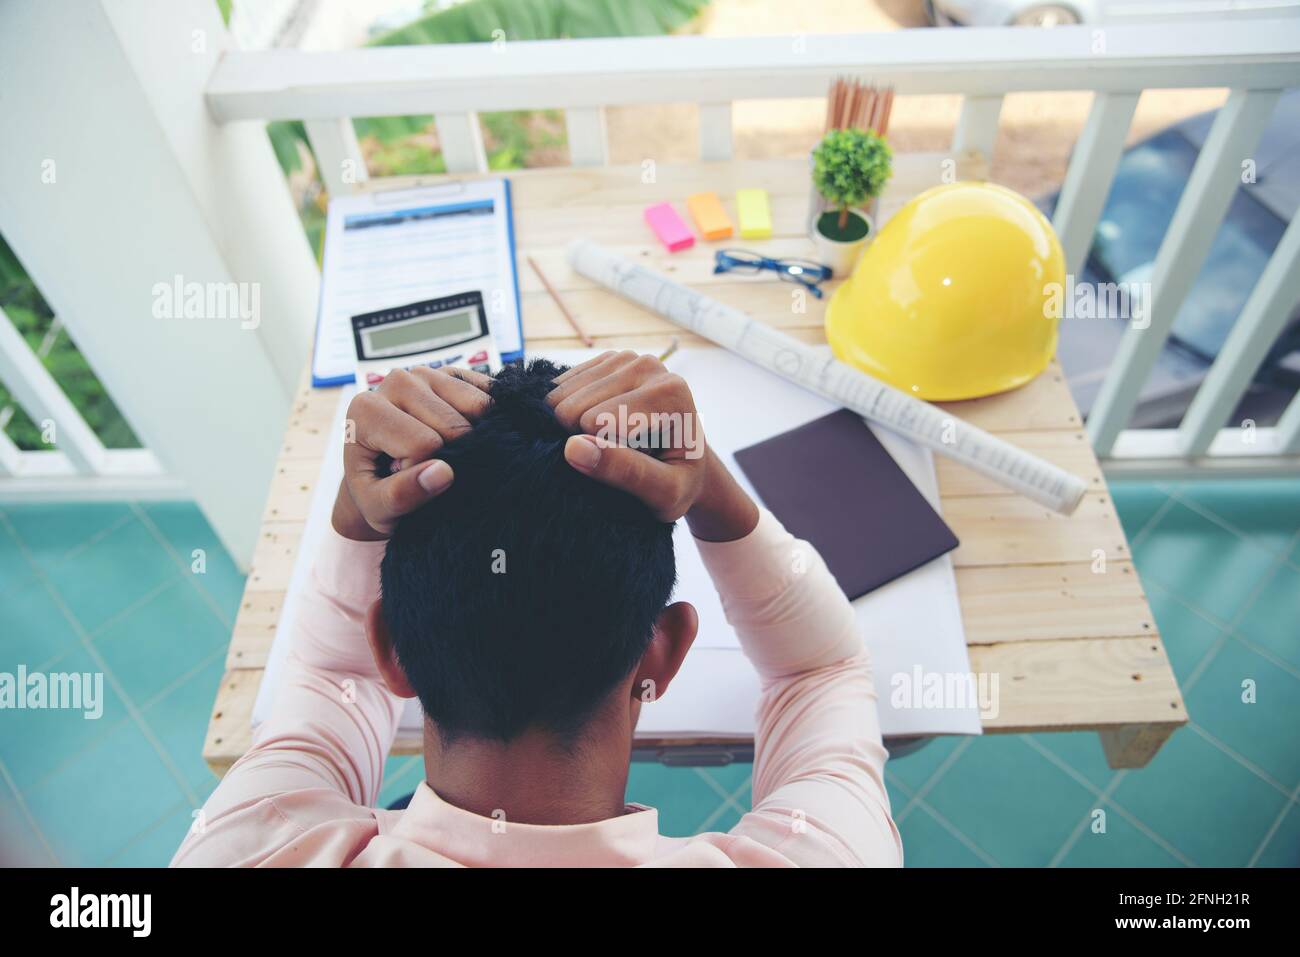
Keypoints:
pixel 710 218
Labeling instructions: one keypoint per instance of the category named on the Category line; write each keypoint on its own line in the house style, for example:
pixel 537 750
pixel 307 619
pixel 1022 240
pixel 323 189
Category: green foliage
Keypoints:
pixel 477 20
pixel 486 21
pixel 32 317
pixel 851 167
pixel 288 139
pixel 512 139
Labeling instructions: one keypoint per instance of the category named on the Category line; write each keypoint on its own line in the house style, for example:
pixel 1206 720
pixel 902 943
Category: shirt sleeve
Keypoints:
pixel 819 787
pixel 330 728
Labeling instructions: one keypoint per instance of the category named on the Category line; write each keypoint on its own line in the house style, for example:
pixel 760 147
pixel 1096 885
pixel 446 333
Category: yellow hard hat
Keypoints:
pixel 954 298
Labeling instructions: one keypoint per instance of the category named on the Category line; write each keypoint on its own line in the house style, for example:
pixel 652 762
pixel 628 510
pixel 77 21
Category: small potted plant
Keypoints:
pixel 850 168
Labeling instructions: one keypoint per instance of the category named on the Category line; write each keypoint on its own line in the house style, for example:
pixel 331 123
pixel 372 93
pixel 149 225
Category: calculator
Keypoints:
pixel 451 331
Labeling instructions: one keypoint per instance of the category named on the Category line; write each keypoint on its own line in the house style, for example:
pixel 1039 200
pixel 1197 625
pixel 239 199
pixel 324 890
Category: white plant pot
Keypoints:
pixel 839 255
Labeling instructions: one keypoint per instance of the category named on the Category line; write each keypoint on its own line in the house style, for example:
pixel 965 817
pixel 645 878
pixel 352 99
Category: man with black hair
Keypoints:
pixel 525 561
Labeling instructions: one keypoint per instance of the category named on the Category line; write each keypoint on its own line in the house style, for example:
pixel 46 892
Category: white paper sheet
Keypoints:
pixel 914 621
pixel 392 247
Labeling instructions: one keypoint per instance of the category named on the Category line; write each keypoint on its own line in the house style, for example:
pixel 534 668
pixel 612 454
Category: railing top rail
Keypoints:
pixel 385 81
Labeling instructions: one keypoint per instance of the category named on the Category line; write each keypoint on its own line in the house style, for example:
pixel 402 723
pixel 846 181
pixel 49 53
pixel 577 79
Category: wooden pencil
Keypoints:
pixel 586 339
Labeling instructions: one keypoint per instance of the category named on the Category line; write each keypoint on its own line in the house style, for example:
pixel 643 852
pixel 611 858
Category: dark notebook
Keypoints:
pixel 832 483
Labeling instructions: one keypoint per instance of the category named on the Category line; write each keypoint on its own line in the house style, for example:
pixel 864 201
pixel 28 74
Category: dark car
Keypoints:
pixel 1141 203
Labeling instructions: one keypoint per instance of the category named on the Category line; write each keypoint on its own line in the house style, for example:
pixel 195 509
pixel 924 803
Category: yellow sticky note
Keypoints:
pixel 754 213
pixel 710 218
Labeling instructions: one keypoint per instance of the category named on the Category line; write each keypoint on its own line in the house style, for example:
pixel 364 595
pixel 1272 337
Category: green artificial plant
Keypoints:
pixel 850 168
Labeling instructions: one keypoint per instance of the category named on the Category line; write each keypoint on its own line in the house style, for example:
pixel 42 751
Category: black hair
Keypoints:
pixel 519 597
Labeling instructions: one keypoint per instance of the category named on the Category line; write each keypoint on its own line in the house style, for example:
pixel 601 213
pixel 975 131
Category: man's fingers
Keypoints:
pixel 404 492
pixel 664 487
pixel 414 397
pixel 583 366
pixel 381 426
pixel 588 373
pixel 467 399
pixel 607 386
pixel 663 404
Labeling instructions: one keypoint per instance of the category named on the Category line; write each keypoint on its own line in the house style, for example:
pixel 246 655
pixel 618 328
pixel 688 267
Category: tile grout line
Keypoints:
pixel 411 761
pixel 184 567
pixel 952 829
pixel 1055 759
pixel 1229 631
pixel 1128 815
pixel 133 712
pixel 1268 655
pixel 730 801
pixel 1212 516
pixel 75 550
pixel 132 608
pixel 1277 824
pixel 928 785
pixel 1230 627
pixel 1149 524
pixel 177 683
pixel 1104 796
pixel 1064 850
pixel 719 790
pixel 152 828
pixel 1240 759
pixel 27 814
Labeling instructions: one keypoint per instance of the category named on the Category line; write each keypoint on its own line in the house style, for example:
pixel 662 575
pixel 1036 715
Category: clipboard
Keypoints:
pixel 387 248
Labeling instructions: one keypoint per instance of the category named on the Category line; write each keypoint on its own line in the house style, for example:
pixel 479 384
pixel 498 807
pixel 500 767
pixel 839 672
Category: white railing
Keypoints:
pixel 163 170
pixel 76 465
pixel 1254 59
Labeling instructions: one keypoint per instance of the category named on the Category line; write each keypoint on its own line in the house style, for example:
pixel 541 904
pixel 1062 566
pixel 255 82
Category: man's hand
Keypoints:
pixel 607 398
pixel 404 422
pixel 611 395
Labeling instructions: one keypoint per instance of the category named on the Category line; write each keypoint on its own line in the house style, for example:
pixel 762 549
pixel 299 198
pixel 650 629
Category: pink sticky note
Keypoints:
pixel 668 226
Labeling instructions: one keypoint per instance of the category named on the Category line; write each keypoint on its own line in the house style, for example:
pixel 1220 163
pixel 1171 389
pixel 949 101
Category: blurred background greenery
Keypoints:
pixel 392 146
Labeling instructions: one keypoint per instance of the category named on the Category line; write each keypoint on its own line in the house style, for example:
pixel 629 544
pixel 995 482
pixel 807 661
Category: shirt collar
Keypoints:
pixel 478 841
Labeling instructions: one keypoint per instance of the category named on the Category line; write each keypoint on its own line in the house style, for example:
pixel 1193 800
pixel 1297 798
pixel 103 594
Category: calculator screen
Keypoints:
pixel 422 333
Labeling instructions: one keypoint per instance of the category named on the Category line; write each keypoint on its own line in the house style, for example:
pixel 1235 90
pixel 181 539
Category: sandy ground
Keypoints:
pixel 1037 131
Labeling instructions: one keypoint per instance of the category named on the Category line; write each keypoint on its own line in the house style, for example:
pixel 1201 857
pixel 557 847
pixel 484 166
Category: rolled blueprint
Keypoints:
pixel 819 372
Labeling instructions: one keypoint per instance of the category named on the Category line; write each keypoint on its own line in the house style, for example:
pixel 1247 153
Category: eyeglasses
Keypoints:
pixel 803 271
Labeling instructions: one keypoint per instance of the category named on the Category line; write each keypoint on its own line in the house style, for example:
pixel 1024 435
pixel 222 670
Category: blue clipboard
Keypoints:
pixel 427 205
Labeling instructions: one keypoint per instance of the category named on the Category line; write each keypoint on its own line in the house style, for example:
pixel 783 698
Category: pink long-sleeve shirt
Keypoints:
pixel 304 792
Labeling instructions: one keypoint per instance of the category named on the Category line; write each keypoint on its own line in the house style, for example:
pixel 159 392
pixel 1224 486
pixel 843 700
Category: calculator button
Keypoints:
pixel 435 364
pixel 450 359
pixel 478 357
pixel 373 378
pixel 483 368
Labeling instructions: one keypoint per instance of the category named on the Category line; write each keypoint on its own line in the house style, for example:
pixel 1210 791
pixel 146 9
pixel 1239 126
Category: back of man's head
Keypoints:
pixel 523 594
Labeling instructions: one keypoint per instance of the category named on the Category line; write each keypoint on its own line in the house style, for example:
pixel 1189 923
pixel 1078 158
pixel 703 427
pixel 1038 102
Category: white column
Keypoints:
pixel 114 181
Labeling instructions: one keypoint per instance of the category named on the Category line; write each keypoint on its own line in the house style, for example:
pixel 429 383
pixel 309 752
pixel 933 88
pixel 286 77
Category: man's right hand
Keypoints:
pixel 406 420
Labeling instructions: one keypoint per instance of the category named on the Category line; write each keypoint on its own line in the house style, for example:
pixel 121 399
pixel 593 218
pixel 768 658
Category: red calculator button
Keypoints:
pixel 478 357
pixel 373 378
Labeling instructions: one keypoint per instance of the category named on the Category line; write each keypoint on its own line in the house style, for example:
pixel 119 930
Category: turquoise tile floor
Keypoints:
pixel 144 593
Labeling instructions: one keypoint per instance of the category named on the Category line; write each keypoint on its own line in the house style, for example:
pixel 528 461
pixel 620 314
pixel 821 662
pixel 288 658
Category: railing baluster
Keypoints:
pixel 715 132
pixel 11 456
pixel 1092 169
pixel 1261 319
pixel 977 127
pixel 338 154
pixel 461 141
pixel 42 398
pixel 588 144
pixel 1288 429
pixel 1205 199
